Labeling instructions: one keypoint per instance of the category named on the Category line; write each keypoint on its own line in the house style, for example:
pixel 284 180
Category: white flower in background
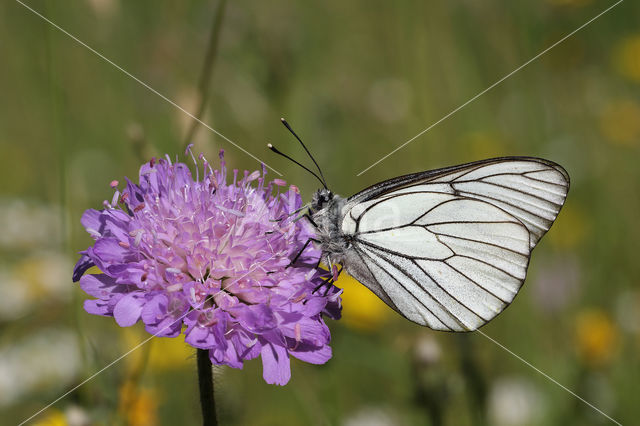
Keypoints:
pixel 77 416
pixel 427 351
pixel 27 225
pixel 371 416
pixel 49 358
pixel 627 310
pixel 514 402
pixel 15 297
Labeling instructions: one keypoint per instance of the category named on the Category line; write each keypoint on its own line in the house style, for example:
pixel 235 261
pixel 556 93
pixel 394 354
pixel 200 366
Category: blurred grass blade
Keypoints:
pixel 207 70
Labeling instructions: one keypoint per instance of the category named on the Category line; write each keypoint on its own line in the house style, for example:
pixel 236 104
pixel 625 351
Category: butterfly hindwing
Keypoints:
pixel 449 248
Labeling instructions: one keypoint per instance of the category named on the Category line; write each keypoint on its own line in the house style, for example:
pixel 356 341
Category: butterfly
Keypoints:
pixel 448 248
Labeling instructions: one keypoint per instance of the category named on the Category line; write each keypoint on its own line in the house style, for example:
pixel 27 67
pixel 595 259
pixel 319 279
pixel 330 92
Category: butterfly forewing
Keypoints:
pixel 449 248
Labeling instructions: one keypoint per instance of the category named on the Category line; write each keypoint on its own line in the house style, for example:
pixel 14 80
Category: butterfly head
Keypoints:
pixel 320 199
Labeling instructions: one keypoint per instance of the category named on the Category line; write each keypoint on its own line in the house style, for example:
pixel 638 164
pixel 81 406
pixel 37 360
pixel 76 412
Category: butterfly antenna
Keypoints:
pixel 324 182
pixel 274 149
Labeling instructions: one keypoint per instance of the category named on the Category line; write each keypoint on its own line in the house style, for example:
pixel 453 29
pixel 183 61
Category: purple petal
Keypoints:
pixel 91 221
pixel 311 354
pixel 98 307
pixel 157 318
pixel 155 309
pixel 232 359
pixel 248 347
pixel 182 175
pixel 275 364
pixel 128 309
pixel 313 331
pixel 334 304
pixel 116 224
pixel 100 285
pixel 132 195
pixel 81 267
pixel 149 177
pixel 206 329
pixel 255 318
pixel 220 356
pixel 109 251
pixel 289 317
pixel 200 337
pixel 167 327
pixel 313 306
pixel 128 273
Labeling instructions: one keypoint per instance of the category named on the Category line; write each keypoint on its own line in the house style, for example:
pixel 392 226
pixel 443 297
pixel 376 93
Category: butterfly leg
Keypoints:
pixel 295 259
pixel 293 213
pixel 328 282
pixel 308 216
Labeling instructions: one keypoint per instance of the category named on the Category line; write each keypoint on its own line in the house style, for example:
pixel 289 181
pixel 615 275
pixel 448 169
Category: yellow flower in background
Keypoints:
pixel 361 308
pixel 164 353
pixel 73 415
pixel 138 406
pixel 572 226
pixel 52 417
pixel 596 337
pixel 626 57
pixel 620 122
pixel 170 353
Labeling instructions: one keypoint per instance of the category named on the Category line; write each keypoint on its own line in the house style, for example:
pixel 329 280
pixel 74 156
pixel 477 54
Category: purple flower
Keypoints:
pixel 213 260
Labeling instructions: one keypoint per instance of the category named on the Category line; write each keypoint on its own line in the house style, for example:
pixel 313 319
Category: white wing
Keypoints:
pixel 449 249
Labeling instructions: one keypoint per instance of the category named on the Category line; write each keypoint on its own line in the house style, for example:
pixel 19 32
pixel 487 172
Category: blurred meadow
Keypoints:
pixel 355 79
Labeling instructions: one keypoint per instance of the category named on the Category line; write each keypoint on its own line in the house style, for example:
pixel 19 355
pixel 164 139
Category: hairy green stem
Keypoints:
pixel 205 382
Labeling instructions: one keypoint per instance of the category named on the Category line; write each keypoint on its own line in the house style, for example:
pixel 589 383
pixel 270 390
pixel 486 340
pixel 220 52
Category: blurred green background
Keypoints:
pixel 355 79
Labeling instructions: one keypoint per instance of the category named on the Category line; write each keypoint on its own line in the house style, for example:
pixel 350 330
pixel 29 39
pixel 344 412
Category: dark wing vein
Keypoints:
pixel 512 189
pixel 450 295
pixel 519 217
pixel 476 283
pixel 362 253
pixel 393 252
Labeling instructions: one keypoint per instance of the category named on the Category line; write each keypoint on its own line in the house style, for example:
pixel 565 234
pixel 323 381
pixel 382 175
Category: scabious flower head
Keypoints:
pixel 212 259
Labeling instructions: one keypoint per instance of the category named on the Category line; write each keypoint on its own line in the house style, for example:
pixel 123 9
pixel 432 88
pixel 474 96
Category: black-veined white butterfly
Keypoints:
pixel 447 248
